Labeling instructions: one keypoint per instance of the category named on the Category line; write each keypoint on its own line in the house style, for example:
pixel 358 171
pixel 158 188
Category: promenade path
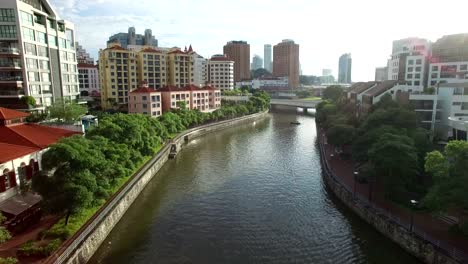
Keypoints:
pixel 425 225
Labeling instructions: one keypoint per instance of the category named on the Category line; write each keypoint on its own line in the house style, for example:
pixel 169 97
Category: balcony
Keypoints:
pixel 14 65
pixel 11 79
pixel 8 50
pixel 12 93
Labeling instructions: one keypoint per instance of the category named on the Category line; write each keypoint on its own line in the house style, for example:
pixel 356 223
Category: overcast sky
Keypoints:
pixel 324 29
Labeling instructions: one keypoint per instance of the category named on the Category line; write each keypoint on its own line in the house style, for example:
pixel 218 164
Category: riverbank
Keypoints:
pixel 80 247
pixel 417 236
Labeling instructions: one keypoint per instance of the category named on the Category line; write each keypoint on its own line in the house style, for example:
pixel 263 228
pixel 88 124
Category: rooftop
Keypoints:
pixel 8 114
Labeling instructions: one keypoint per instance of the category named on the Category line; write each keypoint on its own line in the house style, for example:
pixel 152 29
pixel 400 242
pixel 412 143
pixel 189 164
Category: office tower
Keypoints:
pixel 286 62
pixel 239 52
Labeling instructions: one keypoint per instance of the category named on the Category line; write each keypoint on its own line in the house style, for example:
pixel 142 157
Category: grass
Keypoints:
pixel 313 98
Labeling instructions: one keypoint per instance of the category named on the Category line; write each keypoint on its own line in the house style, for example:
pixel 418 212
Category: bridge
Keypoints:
pixel 286 104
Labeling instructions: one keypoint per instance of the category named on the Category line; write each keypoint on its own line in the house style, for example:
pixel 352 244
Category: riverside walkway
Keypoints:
pixel 425 225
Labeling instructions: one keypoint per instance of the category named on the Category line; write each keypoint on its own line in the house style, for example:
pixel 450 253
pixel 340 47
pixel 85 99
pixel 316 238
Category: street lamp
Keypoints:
pixel 356 173
pixel 413 205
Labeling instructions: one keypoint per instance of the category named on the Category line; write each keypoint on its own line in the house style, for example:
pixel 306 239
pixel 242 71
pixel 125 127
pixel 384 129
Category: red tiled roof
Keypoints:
pixel 10 152
pixel 33 135
pixel 116 47
pixel 208 87
pixel 170 88
pixel 8 114
pixel 177 52
pixel 144 90
pixel 86 65
pixel 151 50
pixel 220 58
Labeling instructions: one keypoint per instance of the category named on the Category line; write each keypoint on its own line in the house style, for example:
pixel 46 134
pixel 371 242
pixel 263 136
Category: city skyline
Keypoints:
pixel 96 21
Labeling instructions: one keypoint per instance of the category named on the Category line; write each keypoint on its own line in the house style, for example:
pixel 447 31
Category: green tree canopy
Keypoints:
pixel 66 111
pixel 340 134
pixel 333 93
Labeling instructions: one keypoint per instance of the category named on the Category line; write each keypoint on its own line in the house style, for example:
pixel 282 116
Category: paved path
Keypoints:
pixel 425 224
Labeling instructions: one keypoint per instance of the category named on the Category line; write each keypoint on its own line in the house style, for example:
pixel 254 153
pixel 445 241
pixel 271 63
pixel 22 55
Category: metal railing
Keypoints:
pixel 444 247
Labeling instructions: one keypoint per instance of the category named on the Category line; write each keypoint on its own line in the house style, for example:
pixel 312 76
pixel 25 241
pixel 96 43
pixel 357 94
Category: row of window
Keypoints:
pixel 31 49
pixel 412 62
pixel 8 31
pixel 7 15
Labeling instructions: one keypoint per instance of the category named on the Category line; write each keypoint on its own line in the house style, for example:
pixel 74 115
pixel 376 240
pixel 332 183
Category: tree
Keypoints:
pixel 333 93
pixel 66 111
pixel 4 234
pixel 303 94
pixel 340 134
pixel 28 100
pixel 385 102
pixel 308 79
pixel 259 73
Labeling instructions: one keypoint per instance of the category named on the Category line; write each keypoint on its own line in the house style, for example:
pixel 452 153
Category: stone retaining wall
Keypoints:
pixel 81 247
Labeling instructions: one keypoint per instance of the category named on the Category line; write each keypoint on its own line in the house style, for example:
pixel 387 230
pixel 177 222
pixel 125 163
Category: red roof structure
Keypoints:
pixel 170 88
pixel 144 90
pixel 21 139
pixel 8 114
pixel 151 50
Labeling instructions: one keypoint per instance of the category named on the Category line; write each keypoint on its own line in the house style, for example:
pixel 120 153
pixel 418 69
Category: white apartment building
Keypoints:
pixel 266 83
pixel 200 70
pixel 403 51
pixel 88 75
pixel 37 54
pixel 221 72
pixel 416 69
pixel 446 72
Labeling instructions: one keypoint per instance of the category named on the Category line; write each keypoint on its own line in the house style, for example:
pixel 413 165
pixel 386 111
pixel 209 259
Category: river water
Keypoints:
pixel 249 194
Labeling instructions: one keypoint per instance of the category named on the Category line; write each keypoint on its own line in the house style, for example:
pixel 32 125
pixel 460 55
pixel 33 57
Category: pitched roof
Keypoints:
pixel 361 87
pixel 10 152
pixel 170 88
pixel 178 51
pixel 144 90
pixel 8 114
pixel 86 65
pixel 381 88
pixel 151 50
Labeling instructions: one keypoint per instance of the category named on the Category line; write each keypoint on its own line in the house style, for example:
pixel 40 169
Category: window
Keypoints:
pixel 45 77
pixel 463 67
pixel 7 15
pixel 418 62
pixel 41 37
pixel 418 69
pixel 409 76
pixel 31 63
pixel 30 49
pixel 411 62
pixel 62 43
pixel 7 31
pixel 410 69
pixel 44 65
pixel 33 76
pixel 70 40
pixel 42 51
pixel 51 23
pixel 145 106
pixel 28 34
pixel 26 18
pixel 435 68
pixel 53 40
pixel 434 75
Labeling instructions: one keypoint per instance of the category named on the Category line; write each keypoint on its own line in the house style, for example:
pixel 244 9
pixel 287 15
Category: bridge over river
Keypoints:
pixel 281 103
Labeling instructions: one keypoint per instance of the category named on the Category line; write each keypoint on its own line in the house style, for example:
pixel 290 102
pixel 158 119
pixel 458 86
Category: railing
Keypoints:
pixel 11 65
pixel 6 92
pixel 9 50
pixel 11 78
pixel 444 247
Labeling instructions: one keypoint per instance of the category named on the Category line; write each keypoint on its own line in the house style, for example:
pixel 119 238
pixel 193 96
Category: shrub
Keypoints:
pixel 8 260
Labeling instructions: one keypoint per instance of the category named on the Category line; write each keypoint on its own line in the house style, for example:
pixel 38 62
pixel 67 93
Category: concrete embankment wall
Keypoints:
pixel 418 246
pixel 81 247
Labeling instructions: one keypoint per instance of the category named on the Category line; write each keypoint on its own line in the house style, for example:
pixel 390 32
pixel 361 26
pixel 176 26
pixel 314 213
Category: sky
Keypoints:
pixel 324 29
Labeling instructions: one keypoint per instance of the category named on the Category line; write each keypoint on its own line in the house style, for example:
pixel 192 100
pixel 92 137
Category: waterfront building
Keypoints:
pixel 151 67
pixel 286 62
pixel 204 99
pixel 267 62
pixel 179 68
pixel 82 56
pixel 381 74
pixel 37 54
pixel 257 62
pixel 131 38
pixel 221 72
pixel 200 70
pixel 145 100
pixel 239 52
pixel 344 68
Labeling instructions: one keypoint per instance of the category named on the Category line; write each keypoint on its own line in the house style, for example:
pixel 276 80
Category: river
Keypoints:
pixel 249 194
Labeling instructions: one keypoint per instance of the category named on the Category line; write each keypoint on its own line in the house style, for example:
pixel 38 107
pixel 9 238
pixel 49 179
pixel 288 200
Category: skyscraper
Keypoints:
pixel 38 55
pixel 131 38
pixel 257 62
pixel 268 65
pixel 344 69
pixel 286 61
pixel 239 52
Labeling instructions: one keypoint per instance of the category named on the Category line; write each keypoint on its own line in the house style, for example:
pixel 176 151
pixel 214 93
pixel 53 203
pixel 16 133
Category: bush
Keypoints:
pixel 28 100
pixel 31 249
pixel 8 260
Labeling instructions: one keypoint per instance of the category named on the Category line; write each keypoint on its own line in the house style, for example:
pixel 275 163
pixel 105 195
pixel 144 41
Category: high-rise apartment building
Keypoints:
pixel 344 68
pixel 82 56
pixel 268 64
pixel 131 38
pixel 221 72
pixel 200 70
pixel 286 62
pixel 326 72
pixel 381 74
pixel 409 61
pixel 257 62
pixel 88 76
pixel 239 52
pixel 37 54
pixel 180 68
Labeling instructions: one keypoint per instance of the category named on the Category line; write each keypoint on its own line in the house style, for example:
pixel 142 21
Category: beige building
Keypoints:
pixel 145 100
pixel 152 67
pixel 221 72
pixel 239 52
pixel 180 68
pixel 286 62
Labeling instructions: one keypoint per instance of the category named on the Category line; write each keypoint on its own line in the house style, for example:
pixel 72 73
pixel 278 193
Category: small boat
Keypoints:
pixel 295 123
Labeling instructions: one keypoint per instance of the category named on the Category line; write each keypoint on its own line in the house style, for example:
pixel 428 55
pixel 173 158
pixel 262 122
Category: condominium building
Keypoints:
pixel 88 76
pixel 152 67
pixel 200 70
pixel 286 62
pixel 180 68
pixel 239 52
pixel 267 62
pixel 145 100
pixel 405 52
pixel 344 68
pixel 204 99
pixel 37 54
pixel 221 72
pixel 257 62
pixel 82 56
pixel 131 38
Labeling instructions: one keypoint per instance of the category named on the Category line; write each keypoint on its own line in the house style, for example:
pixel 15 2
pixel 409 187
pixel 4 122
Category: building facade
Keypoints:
pixel 88 77
pixel 200 70
pixel 344 68
pixel 381 74
pixel 82 56
pixel 37 54
pixel 267 62
pixel 221 72
pixel 257 62
pixel 286 62
pixel 131 38
pixel 204 99
pixel 239 52
pixel 145 100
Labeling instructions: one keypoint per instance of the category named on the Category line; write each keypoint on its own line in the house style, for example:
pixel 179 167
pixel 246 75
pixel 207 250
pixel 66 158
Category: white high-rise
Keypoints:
pixel 257 62
pixel 267 58
pixel 200 70
pixel 221 72
pixel 37 54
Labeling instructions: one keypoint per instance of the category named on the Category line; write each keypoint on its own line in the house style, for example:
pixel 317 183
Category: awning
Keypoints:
pixel 20 203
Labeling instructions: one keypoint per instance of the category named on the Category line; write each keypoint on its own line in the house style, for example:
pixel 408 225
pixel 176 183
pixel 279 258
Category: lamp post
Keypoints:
pixel 413 205
pixel 356 173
